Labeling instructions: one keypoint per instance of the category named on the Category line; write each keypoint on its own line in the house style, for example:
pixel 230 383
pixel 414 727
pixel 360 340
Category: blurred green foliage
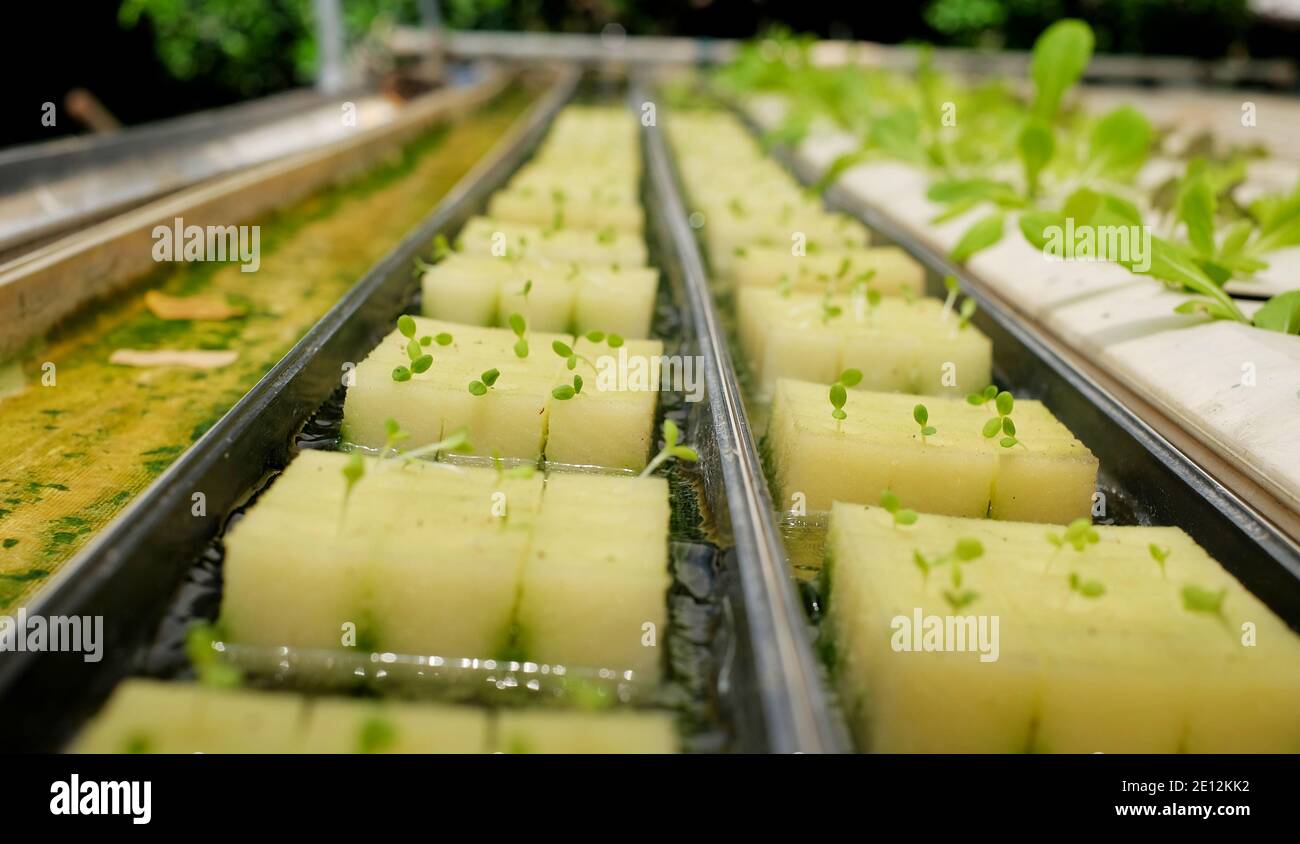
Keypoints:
pixel 251 46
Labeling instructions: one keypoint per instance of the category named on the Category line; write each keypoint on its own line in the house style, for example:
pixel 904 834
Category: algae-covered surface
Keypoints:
pixel 82 438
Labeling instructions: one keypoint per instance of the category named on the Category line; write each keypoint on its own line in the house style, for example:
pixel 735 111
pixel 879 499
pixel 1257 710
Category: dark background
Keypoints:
pixel 151 59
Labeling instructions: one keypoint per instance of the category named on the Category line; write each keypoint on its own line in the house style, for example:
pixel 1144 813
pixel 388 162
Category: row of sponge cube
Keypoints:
pixel 748 201
pixel 818 460
pixel 889 270
pixel 609 424
pixel 1099 650
pixel 912 347
pixel 455 561
pixel 568 298
pixel 147 716
pixel 585 175
pixel 508 240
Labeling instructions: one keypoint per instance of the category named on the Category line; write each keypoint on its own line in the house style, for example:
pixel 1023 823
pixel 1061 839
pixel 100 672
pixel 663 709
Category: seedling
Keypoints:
pixel 571 357
pixel 524 470
pixel 419 359
pixel 901 514
pixel 840 392
pixel 486 382
pixel 830 310
pixel 670 450
pixel 965 311
pixel 960 600
pixel 965 550
pixel 921 415
pixel 865 297
pixel 203 648
pixel 564 392
pixel 355 469
pixel 441 249
pixel 1078 534
pixel 1160 555
pixel 1086 588
pixel 1003 403
pixel 526 289
pixel 1196 599
pixel 518 326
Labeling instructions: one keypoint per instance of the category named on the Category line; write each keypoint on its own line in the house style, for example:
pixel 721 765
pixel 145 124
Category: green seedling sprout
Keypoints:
pixel 485 382
pixel 1078 534
pixel 1160 555
pixel 571 358
pixel 564 392
pixel 965 550
pixel 921 415
pixel 1086 588
pixel 670 450
pixel 518 326
pixel 441 249
pixel 953 288
pixel 419 359
pixel 1197 599
pixel 960 600
pixel 204 648
pixel 526 289
pixel 355 469
pixel 1003 403
pixel 901 514
pixel 525 470
pixel 840 393
pixel 377 735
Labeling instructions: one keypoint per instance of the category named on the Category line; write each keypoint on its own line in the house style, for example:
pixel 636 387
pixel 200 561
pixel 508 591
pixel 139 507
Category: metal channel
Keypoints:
pixel 128 573
pixel 1170 486
pixel 789 677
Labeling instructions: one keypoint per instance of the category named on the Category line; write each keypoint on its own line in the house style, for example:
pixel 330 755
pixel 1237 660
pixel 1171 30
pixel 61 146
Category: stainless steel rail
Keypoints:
pixel 800 718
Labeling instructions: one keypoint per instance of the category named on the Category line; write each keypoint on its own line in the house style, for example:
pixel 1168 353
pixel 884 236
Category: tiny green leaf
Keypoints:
pixel 968 549
pixel 615 340
pixel 563 392
pixel 992 427
pixel 443 339
pixel 851 377
pixel 921 414
pixel 838 395
pixel 521 348
pixel 562 348
pixel 1005 403
pixel 890 501
pixel 959 600
pixel 477 388
pixel 490 376
pixel 406 325
pixel 422 363
pixel 401 373
pixel 1196 599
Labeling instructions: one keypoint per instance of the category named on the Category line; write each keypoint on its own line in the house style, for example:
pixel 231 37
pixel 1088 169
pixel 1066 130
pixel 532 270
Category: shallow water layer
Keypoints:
pixel 72 455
